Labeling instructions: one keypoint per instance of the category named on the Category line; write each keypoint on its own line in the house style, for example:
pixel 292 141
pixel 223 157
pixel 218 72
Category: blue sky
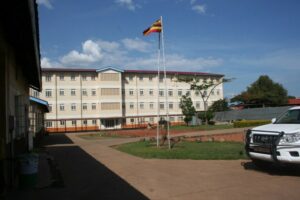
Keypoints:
pixel 238 38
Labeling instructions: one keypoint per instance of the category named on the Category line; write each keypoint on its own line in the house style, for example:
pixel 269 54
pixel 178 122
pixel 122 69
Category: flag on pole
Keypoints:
pixel 155 27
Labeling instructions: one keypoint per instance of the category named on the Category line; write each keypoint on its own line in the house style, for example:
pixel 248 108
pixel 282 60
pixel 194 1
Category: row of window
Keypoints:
pixel 161 105
pixel 104 77
pixel 115 91
pixel 62 92
pixel 50 124
pixel 116 106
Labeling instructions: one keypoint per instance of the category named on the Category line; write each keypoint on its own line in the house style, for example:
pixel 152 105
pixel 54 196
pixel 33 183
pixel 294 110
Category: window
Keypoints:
pixel 170 105
pixel 218 92
pixel 130 78
pixel 48 93
pixel 180 118
pixel 84 122
pixel 131 92
pixel 72 77
pixel 110 91
pixel 73 92
pixel 48 124
pixel 170 93
pixel 150 78
pixel 132 120
pixel 93 78
pixel 110 106
pixel 205 93
pixel 48 78
pixel 61 92
pixel 161 93
pixel 151 119
pixel 62 122
pixel 84 92
pixel 131 105
pixel 94 121
pixel 61 77
pixel 61 107
pixel 212 92
pixel 141 105
pixel 188 93
pixel 197 93
pixel 172 119
pixel 162 106
pixel 179 92
pixel 35 93
pixel 161 79
pixel 50 107
pixel 197 105
pixel 84 77
pixel 151 92
pixel 141 78
pixel 109 77
pixel 73 106
pixel 141 92
pixel 73 122
pixel 151 105
pixel 93 106
pixel 93 92
pixel 84 106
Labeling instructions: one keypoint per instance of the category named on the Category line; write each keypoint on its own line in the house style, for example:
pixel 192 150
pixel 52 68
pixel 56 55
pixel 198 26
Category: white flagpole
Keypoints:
pixel 165 81
pixel 158 76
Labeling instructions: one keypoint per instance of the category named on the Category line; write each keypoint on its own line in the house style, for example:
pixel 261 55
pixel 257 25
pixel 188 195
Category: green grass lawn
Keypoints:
pixel 202 127
pixel 101 135
pixel 187 150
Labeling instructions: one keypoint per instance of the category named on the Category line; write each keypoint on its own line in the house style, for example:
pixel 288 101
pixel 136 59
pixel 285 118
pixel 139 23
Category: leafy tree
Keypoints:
pixel 218 106
pixel 204 88
pixel 263 91
pixel 187 108
pixel 206 116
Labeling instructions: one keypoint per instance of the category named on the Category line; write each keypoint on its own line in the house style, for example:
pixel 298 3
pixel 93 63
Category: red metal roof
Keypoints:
pixel 294 101
pixel 130 71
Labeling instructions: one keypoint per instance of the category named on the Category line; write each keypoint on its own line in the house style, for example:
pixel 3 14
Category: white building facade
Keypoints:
pixel 110 98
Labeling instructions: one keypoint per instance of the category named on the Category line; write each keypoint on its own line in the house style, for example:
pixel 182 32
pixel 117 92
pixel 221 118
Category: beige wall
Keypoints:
pixel 113 90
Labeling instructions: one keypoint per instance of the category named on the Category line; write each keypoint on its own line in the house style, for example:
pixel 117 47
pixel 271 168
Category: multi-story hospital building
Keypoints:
pixel 110 98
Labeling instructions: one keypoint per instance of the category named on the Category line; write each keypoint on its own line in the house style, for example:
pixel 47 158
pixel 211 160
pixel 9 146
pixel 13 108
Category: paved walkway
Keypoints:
pixel 91 169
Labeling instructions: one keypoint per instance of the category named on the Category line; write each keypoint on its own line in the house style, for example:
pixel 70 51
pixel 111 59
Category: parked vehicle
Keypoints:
pixel 278 142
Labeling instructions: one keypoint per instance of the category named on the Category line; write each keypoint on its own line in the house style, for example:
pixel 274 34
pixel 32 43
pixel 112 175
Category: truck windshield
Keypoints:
pixel 290 117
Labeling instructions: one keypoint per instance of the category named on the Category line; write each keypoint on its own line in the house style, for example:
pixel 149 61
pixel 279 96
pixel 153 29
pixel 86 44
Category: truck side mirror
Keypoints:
pixel 273 120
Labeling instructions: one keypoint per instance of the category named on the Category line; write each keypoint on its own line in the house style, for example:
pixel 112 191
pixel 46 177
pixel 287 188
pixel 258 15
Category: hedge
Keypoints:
pixel 249 123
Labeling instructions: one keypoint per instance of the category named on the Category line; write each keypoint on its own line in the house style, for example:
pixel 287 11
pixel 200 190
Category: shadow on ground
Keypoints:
pixel 83 176
pixel 276 170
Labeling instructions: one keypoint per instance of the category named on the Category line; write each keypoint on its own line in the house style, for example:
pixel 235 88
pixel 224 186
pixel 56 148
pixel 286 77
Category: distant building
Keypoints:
pixel 295 101
pixel 110 98
pixel 19 70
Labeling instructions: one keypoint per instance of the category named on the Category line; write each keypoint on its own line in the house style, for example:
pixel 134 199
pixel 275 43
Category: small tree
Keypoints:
pixel 219 106
pixel 187 108
pixel 203 88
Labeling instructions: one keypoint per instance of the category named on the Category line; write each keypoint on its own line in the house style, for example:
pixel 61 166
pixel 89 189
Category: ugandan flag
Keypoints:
pixel 156 27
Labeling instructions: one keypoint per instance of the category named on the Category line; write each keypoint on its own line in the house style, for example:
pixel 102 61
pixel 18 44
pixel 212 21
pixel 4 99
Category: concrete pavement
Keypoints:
pixel 91 169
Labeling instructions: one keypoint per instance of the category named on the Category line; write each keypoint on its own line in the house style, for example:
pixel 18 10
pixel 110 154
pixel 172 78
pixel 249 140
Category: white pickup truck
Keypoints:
pixel 278 142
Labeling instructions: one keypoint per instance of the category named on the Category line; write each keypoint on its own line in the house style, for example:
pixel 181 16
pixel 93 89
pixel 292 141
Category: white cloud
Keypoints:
pixel 136 44
pixel 47 63
pixel 176 62
pixel 91 52
pixel 193 2
pixel 45 3
pixel 201 9
pixel 119 54
pixel 129 4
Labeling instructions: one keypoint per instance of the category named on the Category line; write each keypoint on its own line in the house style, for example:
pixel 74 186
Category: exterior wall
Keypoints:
pixel 121 100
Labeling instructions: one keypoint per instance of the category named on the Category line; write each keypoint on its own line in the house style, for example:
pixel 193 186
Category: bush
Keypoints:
pixel 248 123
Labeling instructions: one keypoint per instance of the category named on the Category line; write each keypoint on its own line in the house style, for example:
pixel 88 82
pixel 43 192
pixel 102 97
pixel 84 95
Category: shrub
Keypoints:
pixel 248 123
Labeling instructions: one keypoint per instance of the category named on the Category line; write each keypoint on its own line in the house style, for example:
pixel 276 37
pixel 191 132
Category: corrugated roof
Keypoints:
pixel 43 103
